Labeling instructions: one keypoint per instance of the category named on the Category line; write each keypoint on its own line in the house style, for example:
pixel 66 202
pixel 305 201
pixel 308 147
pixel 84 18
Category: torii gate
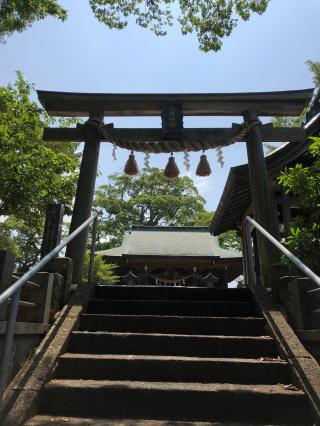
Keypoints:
pixel 173 137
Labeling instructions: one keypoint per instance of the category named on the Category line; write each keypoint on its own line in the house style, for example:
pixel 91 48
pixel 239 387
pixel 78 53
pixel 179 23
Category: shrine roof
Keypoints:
pixel 280 103
pixel 236 196
pixel 169 241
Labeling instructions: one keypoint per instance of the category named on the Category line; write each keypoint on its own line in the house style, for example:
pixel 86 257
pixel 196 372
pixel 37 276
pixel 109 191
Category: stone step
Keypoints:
pixel 173 293
pixel 176 345
pixel 172 307
pixel 234 326
pixel 174 401
pixel 42 420
pixel 172 369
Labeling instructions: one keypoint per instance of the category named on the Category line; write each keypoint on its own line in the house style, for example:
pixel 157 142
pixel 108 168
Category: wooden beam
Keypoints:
pixel 282 103
pixel 210 137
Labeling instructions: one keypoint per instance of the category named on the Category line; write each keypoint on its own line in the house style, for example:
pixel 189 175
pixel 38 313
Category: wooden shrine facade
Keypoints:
pixel 173 256
pixel 173 137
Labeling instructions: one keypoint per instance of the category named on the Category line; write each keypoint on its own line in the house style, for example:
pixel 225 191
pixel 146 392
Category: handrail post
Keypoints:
pixel 93 249
pixel 251 272
pixel 7 341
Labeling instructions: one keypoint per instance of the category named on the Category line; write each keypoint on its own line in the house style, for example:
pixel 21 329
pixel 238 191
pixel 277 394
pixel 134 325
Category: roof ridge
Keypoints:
pixel 169 228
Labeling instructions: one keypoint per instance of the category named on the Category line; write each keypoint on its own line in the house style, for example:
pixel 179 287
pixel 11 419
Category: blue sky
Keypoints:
pixel 266 53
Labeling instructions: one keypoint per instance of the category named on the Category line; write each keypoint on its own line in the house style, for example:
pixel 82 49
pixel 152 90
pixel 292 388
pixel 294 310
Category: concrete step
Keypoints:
pixel 63 421
pixel 176 345
pixel 173 293
pixel 174 401
pixel 172 307
pixel 172 369
pixel 236 326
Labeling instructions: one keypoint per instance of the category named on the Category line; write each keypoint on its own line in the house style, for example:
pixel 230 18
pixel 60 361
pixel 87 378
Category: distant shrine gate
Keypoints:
pixel 173 137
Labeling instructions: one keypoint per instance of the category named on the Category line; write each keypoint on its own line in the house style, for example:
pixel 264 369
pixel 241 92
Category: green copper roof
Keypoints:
pixel 170 241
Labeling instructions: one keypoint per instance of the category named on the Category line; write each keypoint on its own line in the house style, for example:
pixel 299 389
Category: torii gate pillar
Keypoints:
pixel 84 196
pixel 261 197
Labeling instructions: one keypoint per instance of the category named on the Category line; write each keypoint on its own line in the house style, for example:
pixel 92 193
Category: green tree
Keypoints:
pixel 148 199
pixel 314 68
pixel 203 218
pixel 23 240
pixel 230 240
pixel 17 15
pixel 104 273
pixel 33 173
pixel 211 20
pixel 304 182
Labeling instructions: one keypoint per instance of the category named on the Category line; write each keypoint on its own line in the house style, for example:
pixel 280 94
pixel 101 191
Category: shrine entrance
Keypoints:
pixel 173 137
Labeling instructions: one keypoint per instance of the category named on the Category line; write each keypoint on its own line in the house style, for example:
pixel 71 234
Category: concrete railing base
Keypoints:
pixel 22 396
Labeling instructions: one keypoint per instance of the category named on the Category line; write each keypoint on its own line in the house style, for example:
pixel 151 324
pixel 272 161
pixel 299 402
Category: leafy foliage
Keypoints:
pixel 23 240
pixel 211 20
pixel 314 68
pixel 32 173
pixel 148 199
pixel 304 182
pixel 230 240
pixel 104 273
pixel 17 15
pixel 203 218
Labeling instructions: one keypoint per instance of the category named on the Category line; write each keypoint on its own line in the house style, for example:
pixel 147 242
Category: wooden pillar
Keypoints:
pixel 84 196
pixel 261 198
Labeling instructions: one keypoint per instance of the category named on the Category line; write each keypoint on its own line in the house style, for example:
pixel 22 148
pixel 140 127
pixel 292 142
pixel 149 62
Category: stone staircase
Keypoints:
pixel 171 356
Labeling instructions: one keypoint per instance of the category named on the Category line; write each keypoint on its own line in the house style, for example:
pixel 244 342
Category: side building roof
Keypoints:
pixel 236 196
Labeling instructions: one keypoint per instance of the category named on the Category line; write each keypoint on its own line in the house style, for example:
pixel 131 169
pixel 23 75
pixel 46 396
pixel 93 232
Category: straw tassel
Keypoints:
pixel 131 167
pixel 219 154
pixel 203 168
pixel 171 170
pixel 146 160
pixel 186 160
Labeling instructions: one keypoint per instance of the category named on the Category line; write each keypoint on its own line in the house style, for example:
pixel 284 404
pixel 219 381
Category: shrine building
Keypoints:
pixel 173 255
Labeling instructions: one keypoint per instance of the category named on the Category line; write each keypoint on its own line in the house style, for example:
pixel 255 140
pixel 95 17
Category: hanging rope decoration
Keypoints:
pixel 203 168
pixel 114 149
pixel 219 155
pixel 186 160
pixel 146 160
pixel 131 166
pixel 171 170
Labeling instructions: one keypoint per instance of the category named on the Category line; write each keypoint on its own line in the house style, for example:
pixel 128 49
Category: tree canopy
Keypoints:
pixel 211 20
pixel 33 174
pixel 148 199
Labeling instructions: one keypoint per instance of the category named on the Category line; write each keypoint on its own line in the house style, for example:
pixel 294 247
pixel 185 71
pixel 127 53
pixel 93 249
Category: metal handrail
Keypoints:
pixel 304 268
pixel 14 290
